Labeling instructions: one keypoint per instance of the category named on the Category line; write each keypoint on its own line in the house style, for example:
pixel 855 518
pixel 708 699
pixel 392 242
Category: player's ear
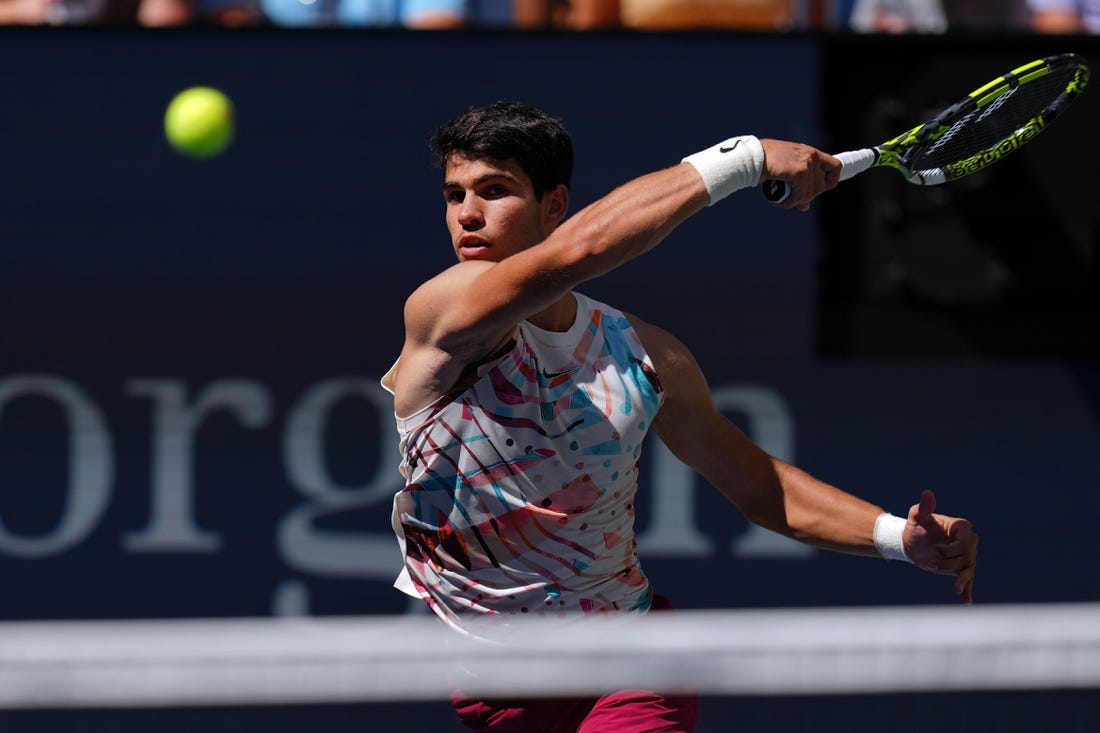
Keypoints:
pixel 556 204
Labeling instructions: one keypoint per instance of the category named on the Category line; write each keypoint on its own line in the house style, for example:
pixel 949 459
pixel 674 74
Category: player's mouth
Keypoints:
pixel 470 247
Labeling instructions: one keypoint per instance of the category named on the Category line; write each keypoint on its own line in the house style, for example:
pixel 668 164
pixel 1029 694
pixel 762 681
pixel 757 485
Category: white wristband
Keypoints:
pixel 887 537
pixel 729 166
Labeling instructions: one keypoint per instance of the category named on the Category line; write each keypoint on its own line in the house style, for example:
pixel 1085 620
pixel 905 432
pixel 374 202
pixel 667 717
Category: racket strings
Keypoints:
pixel 985 127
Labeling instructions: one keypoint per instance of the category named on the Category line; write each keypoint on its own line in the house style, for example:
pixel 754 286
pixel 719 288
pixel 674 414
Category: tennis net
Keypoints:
pixel 828 651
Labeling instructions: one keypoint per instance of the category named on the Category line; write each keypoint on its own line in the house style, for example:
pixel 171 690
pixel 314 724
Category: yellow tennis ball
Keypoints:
pixel 199 122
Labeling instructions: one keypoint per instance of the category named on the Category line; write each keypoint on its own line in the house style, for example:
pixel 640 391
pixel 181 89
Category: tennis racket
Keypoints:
pixel 974 133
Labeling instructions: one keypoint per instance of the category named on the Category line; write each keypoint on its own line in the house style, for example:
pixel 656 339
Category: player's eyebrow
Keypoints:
pixel 482 179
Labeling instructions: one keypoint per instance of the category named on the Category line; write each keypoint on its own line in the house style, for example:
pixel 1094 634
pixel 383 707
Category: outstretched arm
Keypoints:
pixel 467 312
pixel 784 498
pixel 485 302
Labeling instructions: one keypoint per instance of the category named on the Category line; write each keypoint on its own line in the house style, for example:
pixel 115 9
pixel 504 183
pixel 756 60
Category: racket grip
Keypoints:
pixel 852 163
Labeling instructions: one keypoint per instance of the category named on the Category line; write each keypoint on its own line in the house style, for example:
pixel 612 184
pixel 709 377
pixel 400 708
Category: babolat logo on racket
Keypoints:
pixel 998 151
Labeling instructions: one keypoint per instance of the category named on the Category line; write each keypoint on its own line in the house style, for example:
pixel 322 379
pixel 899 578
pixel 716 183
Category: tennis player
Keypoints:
pixel 522 406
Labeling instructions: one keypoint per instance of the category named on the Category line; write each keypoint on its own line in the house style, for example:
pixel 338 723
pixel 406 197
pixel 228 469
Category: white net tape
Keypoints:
pixel 129 664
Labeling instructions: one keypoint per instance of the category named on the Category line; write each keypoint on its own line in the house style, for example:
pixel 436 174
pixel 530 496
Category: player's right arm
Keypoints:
pixel 468 311
pixel 474 305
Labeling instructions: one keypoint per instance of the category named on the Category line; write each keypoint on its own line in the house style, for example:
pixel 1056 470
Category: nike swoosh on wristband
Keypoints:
pixel 724 149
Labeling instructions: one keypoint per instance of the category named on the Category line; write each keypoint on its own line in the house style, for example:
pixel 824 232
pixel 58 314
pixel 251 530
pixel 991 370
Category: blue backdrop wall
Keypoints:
pixel 190 421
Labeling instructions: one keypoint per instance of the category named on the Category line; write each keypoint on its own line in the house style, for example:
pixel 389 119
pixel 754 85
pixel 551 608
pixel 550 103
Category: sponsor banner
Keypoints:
pixel 169 495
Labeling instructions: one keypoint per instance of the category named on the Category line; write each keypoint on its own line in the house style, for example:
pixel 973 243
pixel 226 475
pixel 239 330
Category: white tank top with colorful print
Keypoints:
pixel 520 484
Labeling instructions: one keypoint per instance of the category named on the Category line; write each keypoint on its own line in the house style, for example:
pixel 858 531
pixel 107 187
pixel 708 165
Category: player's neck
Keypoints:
pixel 559 316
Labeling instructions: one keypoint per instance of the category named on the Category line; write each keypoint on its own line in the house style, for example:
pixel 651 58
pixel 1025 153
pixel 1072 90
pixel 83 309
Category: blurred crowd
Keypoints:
pixel 862 16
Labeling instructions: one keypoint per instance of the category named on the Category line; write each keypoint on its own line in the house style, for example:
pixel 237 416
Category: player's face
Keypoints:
pixel 492 212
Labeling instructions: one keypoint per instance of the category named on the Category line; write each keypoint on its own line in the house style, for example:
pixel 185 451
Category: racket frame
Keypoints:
pixel 897 152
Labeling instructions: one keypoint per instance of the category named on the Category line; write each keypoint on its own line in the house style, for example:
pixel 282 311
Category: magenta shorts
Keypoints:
pixel 626 711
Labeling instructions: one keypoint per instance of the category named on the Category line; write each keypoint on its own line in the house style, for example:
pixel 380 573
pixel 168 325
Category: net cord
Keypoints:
pixel 370 659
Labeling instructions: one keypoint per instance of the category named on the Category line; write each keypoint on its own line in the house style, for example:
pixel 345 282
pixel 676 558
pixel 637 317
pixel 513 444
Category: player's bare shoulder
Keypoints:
pixel 436 308
pixel 687 394
pixel 438 343
pixel 667 352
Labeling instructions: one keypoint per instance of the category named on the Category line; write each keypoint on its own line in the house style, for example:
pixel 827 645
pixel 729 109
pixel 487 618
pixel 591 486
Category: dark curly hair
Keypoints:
pixel 505 130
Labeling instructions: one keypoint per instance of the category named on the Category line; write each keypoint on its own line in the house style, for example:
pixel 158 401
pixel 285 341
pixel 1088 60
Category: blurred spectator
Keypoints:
pixel 164 13
pixel 149 13
pixel 228 13
pixel 419 14
pixel 987 15
pixel 939 16
pixel 1065 16
pixel 688 14
pixel 579 15
pixel 898 16
pixel 24 12
pixel 582 15
pixel 69 12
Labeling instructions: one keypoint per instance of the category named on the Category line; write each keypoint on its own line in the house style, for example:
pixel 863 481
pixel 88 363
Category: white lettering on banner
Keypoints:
pixel 672 530
pixel 303 544
pixel 91 465
pixel 172 525
pixel 291 598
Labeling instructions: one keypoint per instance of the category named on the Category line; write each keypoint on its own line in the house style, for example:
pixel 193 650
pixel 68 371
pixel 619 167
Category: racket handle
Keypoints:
pixel 852 163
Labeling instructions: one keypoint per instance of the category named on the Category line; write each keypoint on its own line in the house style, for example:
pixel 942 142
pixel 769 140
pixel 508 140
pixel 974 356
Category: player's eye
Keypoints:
pixel 454 196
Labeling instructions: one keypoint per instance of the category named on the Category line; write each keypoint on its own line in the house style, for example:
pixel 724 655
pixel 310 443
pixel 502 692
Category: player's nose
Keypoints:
pixel 470 214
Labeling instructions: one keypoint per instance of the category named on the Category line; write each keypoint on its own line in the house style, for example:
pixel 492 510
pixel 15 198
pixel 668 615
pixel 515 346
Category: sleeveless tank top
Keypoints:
pixel 520 484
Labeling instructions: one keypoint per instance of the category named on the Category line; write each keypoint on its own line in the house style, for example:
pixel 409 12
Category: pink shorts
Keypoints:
pixel 626 711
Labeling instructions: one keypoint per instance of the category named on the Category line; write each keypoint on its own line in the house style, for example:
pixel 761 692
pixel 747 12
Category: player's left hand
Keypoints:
pixel 942 544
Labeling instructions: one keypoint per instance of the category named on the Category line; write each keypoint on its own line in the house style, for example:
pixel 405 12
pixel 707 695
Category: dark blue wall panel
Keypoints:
pixel 190 350
pixel 190 422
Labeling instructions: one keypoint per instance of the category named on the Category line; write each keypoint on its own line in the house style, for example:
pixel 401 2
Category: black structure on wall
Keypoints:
pixel 1005 263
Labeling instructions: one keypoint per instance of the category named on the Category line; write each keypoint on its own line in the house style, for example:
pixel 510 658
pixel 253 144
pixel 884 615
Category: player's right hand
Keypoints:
pixel 808 171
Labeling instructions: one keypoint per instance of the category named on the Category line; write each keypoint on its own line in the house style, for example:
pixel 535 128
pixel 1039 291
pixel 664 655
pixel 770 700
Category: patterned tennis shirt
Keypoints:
pixel 520 483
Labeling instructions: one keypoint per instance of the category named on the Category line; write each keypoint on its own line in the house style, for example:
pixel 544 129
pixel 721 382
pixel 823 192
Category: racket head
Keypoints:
pixel 989 123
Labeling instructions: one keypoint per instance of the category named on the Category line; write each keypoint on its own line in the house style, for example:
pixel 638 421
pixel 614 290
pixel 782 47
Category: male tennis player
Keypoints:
pixel 522 405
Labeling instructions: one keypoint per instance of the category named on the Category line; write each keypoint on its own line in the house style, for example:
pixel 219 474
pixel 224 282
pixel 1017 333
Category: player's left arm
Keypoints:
pixel 779 496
